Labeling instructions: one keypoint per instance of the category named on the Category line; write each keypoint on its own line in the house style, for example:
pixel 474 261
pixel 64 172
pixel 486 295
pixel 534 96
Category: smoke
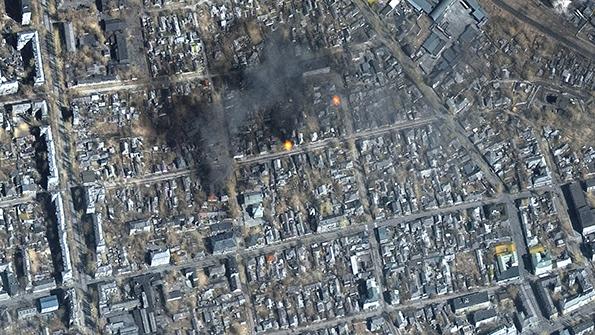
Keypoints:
pixel 190 121
pixel 273 89
pixel 561 6
pixel 565 7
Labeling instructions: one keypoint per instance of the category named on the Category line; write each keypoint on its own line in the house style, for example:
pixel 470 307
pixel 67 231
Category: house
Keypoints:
pixel 48 304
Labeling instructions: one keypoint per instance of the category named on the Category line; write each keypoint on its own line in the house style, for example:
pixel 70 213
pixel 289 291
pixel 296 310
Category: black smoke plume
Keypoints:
pixel 274 89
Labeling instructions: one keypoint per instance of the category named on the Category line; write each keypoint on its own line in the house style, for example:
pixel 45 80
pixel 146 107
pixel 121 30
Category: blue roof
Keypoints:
pixel 48 302
pixel 421 5
pixel 438 12
pixel 434 44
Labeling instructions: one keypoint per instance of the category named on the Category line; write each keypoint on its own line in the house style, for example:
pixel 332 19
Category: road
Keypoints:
pixel 15 201
pixel 413 73
pixel 578 93
pixel 441 115
pixel 122 85
pixel 380 311
pixel 149 179
pixel 311 146
pixel 320 237
pixel 581 48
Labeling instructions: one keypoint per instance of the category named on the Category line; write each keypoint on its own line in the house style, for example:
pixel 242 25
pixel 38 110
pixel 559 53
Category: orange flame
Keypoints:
pixel 287 145
pixel 336 100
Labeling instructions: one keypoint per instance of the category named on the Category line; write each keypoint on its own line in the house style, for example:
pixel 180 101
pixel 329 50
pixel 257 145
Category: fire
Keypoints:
pixel 336 100
pixel 287 145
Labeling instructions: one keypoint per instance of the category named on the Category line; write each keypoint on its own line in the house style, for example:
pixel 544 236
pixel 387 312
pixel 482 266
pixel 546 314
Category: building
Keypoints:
pixel 120 48
pixel 583 328
pixel 100 245
pixel 546 304
pixel 9 282
pixel 48 304
pixel 139 226
pixel 159 257
pixel 421 5
pixel 25 12
pixel 541 261
pixel 69 39
pixel 484 316
pixel 222 243
pixel 331 223
pixel 24 38
pixel 372 296
pixel 471 302
pixel 27 312
pixel 63 238
pixel 581 212
pixel 253 210
pixel 507 262
pixel 438 12
pixel 8 87
pixel 572 304
pixel 113 25
pixel 52 164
